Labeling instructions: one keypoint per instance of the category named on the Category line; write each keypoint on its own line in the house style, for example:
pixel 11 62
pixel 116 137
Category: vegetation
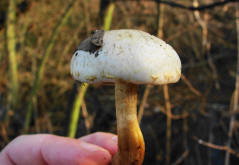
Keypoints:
pixel 192 122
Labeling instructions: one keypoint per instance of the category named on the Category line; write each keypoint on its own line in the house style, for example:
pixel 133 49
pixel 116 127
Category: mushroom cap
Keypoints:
pixel 127 55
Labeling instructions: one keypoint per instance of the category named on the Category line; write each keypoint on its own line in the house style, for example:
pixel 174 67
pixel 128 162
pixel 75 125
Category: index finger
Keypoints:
pixel 52 150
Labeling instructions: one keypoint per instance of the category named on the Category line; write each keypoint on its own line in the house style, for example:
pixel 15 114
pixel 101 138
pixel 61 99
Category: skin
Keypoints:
pixel 45 149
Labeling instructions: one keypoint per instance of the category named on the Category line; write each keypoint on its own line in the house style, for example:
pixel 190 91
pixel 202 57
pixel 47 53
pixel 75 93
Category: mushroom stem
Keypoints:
pixel 130 139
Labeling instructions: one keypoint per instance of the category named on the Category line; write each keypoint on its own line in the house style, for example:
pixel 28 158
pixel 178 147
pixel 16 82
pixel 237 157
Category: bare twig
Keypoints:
pixel 181 158
pixel 236 93
pixel 192 8
pixel 169 123
pixel 143 102
pixel 185 131
pixel 88 118
pixel 160 20
pixel 205 42
pixel 172 116
pixel 217 147
pixel 187 82
pixel 181 30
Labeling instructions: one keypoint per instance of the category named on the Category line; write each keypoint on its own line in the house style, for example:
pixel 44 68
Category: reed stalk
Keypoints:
pixel 75 114
pixel 11 46
pixel 40 71
pixel 109 16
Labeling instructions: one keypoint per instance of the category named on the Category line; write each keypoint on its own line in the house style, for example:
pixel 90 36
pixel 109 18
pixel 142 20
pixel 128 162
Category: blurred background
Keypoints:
pixel 192 122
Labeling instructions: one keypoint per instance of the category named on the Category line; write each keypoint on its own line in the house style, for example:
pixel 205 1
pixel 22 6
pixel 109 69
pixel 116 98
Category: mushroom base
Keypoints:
pixel 131 146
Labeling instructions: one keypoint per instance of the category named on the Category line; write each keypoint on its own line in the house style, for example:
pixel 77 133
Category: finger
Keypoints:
pixel 24 150
pixel 54 150
pixel 106 140
pixel 66 151
pixel 4 159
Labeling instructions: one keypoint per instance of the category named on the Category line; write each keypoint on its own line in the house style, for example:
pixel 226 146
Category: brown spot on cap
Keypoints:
pixel 91 78
pixel 154 78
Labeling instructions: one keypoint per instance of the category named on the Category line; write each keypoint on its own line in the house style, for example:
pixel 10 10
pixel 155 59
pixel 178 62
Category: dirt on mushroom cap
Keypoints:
pixel 129 55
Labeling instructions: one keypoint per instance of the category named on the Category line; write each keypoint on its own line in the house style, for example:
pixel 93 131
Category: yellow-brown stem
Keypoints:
pixel 130 139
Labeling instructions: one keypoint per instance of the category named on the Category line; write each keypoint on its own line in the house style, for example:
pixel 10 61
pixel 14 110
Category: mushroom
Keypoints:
pixel 127 58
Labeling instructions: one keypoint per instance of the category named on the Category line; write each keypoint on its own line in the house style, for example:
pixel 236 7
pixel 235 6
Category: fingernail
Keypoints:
pixel 115 139
pixel 89 147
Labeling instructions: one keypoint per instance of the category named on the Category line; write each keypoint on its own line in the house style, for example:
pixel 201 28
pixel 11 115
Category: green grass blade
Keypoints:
pixel 41 68
pixel 109 16
pixel 75 114
pixel 11 46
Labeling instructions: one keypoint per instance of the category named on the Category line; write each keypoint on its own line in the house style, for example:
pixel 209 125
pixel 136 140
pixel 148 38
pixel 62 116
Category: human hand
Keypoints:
pixel 44 149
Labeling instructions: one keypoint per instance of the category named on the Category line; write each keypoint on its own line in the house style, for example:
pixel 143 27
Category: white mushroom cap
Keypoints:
pixel 129 55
